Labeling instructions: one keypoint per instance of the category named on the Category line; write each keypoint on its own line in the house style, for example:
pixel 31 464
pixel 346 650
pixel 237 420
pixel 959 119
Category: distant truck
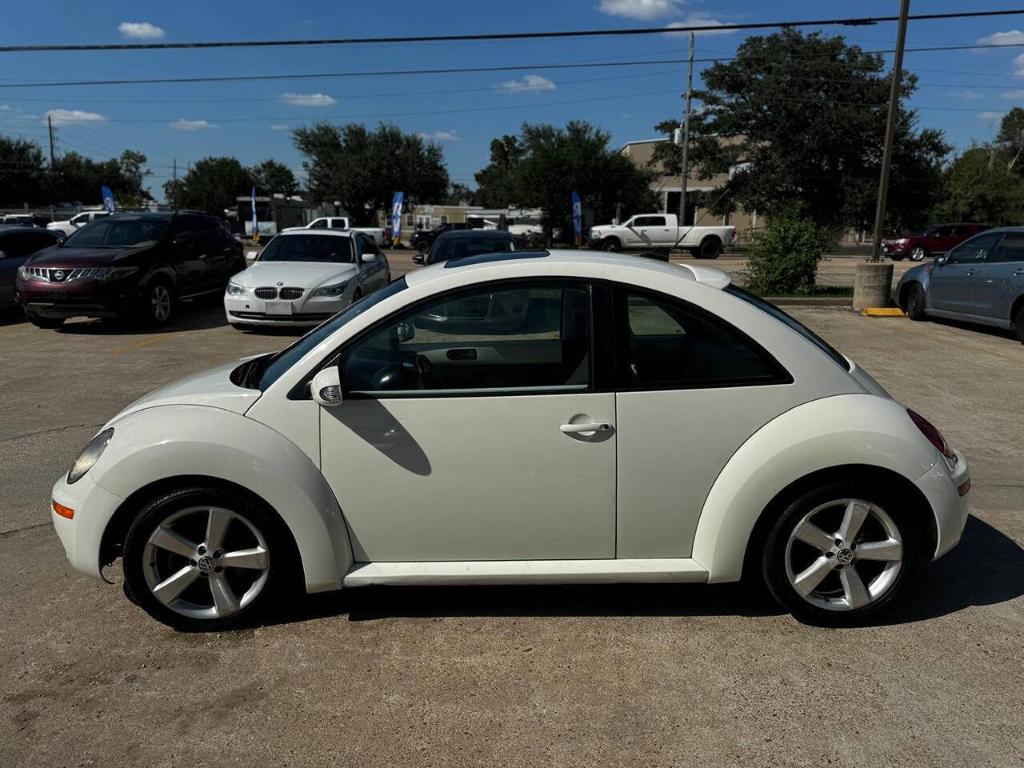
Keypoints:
pixel 68 227
pixel 662 230
pixel 342 222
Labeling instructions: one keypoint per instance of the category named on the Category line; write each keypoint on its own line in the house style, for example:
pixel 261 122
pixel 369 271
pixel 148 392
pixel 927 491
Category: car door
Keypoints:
pixel 952 281
pixel 481 437
pixel 691 388
pixel 373 274
pixel 645 230
pixel 188 256
pixel 1000 279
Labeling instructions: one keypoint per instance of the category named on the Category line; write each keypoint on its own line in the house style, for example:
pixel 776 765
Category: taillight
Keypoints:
pixel 930 431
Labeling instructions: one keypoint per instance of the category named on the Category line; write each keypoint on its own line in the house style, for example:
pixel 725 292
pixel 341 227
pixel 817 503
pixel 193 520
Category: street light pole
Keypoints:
pixel 686 136
pixel 890 129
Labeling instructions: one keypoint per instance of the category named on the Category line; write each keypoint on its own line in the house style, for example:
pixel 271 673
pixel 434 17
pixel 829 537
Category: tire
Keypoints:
pixel 896 257
pixel 611 245
pixel 156 307
pixel 838 585
pixel 422 248
pixel 45 322
pixel 918 253
pixel 710 248
pixel 1018 323
pixel 915 302
pixel 172 534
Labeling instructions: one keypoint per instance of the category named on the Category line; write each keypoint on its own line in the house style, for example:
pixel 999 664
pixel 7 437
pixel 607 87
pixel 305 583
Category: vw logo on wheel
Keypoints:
pixel 844 556
pixel 206 564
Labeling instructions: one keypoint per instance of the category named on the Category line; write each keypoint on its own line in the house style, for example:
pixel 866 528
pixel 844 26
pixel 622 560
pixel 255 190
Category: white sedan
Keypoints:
pixel 526 417
pixel 303 277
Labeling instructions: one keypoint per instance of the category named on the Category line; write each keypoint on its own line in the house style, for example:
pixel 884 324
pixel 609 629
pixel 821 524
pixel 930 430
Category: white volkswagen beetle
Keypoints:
pixel 525 417
pixel 305 276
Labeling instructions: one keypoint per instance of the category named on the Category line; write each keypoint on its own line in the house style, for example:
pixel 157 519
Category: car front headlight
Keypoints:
pixel 23 273
pixel 331 291
pixel 89 455
pixel 234 289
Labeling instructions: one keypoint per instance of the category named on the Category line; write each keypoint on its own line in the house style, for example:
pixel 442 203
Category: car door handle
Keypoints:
pixel 587 426
pixel 969 272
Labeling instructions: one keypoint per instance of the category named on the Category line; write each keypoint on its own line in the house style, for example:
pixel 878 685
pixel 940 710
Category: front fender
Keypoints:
pixel 830 432
pixel 171 441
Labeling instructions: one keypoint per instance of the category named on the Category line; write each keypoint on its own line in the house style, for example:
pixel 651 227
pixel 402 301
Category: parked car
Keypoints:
pixel 640 422
pixel 423 239
pixel 304 276
pixel 459 244
pixel 27 219
pixel 17 243
pixel 342 223
pixel 68 227
pixel 662 230
pixel 980 280
pixel 129 265
pixel 930 241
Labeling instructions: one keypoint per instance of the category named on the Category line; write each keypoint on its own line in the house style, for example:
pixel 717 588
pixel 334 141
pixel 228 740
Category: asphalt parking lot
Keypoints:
pixel 637 675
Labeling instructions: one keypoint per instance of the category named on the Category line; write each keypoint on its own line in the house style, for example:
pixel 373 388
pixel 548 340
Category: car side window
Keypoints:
pixel 513 338
pixel 1010 248
pixel 367 245
pixel 337 223
pixel 668 344
pixel 975 249
pixel 319 224
pixel 642 221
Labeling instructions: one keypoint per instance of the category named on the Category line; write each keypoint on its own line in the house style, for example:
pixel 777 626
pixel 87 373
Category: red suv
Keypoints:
pixel 930 241
pixel 129 265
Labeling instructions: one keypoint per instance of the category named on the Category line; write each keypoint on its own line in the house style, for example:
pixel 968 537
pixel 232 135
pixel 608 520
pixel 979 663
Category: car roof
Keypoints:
pixel 318 232
pixel 469 234
pixel 564 263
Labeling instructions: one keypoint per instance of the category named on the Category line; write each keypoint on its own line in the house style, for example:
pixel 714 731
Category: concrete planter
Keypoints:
pixel 872 284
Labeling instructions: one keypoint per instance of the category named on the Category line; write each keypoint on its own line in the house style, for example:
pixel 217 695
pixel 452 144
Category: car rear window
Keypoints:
pixel 770 309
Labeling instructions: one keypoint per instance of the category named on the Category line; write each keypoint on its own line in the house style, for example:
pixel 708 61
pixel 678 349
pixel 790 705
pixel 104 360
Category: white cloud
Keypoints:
pixel 701 20
pixel 1013 37
pixel 1018 65
pixel 990 117
pixel 528 84
pixel 1018 94
pixel 192 125
pixel 279 126
pixel 73 116
pixel 451 135
pixel 967 95
pixel 640 9
pixel 308 99
pixel 140 30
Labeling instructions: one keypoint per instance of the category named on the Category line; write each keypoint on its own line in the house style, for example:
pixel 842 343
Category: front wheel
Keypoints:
pixel 422 248
pixel 918 254
pixel 1018 324
pixel 841 553
pixel 611 245
pixel 157 303
pixel 203 559
pixel 915 302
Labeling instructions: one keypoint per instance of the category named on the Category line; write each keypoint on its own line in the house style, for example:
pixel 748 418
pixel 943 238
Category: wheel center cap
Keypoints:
pixel 844 556
pixel 206 564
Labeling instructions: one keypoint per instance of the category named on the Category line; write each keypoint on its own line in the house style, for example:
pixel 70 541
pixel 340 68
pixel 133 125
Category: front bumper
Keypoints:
pixel 892 249
pixel 81 536
pixel 939 486
pixel 249 310
pixel 88 298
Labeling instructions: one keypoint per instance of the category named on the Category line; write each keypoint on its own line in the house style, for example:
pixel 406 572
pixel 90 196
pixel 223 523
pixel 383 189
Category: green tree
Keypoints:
pixel 129 188
pixel 363 168
pixel 495 181
pixel 23 173
pixel 459 194
pixel 213 184
pixel 272 177
pixel 799 120
pixel 981 185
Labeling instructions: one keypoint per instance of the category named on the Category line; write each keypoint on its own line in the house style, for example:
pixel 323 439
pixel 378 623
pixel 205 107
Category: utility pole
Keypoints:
pixel 686 135
pixel 174 169
pixel 53 168
pixel 890 129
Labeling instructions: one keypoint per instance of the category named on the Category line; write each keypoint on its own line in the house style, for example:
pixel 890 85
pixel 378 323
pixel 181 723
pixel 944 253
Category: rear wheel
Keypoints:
pixel 422 247
pixel 842 553
pixel 203 559
pixel 710 248
pixel 918 253
pixel 915 302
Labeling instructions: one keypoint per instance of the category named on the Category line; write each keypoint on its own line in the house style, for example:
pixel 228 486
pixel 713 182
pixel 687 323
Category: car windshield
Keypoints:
pixel 118 233
pixel 312 247
pixel 261 372
pixel 461 247
pixel 768 308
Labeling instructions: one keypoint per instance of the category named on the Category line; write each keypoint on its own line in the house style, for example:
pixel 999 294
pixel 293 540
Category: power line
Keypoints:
pixel 397 40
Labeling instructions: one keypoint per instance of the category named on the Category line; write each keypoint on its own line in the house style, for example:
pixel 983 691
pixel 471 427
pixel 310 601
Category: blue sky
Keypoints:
pixel 962 92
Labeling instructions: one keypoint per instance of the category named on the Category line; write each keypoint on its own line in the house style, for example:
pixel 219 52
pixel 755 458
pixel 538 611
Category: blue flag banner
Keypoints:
pixel 396 216
pixel 255 223
pixel 577 218
pixel 108 198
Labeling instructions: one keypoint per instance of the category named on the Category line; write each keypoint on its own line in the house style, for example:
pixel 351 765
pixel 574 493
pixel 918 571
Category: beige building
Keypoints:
pixel 430 216
pixel 667 188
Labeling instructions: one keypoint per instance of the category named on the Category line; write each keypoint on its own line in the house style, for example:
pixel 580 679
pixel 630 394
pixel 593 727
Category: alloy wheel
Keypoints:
pixel 206 562
pixel 844 555
pixel 917 254
pixel 160 303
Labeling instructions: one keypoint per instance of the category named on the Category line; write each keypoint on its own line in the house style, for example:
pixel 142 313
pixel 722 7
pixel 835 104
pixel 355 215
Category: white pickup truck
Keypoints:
pixel 70 226
pixel 662 230
pixel 342 222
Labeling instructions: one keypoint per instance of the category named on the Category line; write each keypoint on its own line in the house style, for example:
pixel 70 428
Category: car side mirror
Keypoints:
pixel 369 258
pixel 418 258
pixel 405 332
pixel 942 259
pixel 325 388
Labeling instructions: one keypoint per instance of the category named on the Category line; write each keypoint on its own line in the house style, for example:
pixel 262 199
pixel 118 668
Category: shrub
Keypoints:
pixel 783 257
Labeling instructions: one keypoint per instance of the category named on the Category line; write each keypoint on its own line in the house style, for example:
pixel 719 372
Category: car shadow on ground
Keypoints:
pixel 964 325
pixel 986 568
pixel 189 316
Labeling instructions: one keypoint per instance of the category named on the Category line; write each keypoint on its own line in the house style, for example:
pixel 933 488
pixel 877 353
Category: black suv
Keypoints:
pixel 423 239
pixel 129 265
